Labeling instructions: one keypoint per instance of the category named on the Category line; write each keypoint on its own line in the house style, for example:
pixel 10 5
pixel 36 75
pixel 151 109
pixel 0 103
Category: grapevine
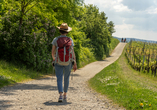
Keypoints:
pixel 142 56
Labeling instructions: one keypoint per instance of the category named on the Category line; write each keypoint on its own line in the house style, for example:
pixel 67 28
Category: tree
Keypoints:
pixel 111 27
pixel 28 25
pixel 96 29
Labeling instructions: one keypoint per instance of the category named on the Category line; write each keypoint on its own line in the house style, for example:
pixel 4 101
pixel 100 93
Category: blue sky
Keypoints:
pixel 132 18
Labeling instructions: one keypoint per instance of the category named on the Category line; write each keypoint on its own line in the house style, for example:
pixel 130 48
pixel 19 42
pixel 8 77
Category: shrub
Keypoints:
pixel 29 44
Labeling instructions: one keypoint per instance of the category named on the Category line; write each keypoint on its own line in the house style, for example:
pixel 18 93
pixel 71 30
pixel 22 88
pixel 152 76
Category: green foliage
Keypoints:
pixel 29 26
pixel 142 56
pixel 111 27
pixel 29 44
pixel 11 74
pixel 114 43
pixel 83 54
pixel 97 30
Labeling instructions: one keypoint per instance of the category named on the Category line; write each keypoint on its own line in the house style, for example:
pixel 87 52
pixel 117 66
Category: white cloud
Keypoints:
pixel 120 8
pixel 138 5
pixel 110 4
pixel 132 18
pixel 152 10
pixel 127 31
pixel 124 27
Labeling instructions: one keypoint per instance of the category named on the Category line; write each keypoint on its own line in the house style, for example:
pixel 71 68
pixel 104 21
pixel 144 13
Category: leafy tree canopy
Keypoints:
pixel 28 25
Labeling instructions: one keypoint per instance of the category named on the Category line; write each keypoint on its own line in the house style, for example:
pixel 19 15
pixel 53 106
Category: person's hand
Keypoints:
pixel 75 67
pixel 53 58
pixel 53 63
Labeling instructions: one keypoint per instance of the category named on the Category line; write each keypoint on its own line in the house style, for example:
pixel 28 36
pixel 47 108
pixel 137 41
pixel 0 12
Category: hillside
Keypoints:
pixel 135 39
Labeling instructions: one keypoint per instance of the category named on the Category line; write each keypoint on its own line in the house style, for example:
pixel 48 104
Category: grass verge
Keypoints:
pixel 125 86
pixel 11 74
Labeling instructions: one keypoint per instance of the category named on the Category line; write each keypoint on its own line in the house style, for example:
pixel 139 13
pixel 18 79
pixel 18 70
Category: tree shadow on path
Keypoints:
pixel 30 86
pixel 4 104
pixel 11 90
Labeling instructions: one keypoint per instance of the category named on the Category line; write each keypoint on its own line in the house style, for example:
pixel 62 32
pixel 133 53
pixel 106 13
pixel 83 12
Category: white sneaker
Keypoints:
pixel 64 97
pixel 60 99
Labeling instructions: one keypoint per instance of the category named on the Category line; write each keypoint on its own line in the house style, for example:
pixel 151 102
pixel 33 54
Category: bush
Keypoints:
pixel 29 44
pixel 84 54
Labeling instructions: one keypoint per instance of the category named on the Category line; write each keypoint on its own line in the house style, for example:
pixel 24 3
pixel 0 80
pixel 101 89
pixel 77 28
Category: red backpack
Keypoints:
pixel 64 53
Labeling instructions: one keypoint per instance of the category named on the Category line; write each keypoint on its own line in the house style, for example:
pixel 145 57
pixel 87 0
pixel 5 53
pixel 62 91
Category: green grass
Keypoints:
pixel 114 43
pixel 11 74
pixel 125 86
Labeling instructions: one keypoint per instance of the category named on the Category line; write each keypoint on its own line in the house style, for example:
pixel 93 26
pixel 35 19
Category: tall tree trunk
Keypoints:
pixel 22 13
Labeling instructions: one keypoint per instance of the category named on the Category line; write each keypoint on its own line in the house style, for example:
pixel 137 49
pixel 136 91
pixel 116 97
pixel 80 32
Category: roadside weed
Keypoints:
pixel 10 74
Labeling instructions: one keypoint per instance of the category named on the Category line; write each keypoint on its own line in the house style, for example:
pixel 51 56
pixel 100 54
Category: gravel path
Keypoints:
pixel 42 94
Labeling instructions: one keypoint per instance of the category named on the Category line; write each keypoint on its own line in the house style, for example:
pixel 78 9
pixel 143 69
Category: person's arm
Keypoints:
pixel 75 64
pixel 53 52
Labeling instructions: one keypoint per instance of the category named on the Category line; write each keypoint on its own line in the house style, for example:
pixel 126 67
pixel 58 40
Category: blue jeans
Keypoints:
pixel 59 74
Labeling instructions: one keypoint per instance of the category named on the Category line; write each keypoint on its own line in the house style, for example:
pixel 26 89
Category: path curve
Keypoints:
pixel 42 94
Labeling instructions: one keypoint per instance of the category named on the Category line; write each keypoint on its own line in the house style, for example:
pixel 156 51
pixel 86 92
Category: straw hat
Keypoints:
pixel 64 27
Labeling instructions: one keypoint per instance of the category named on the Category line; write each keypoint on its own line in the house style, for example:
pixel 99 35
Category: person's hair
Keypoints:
pixel 63 32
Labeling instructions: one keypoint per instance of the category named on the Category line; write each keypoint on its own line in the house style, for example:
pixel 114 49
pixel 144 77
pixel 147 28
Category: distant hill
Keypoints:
pixel 135 39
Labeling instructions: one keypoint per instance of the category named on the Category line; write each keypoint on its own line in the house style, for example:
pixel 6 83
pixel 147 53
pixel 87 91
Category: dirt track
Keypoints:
pixel 42 94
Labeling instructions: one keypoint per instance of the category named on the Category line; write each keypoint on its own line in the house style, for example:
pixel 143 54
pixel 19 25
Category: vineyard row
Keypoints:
pixel 142 57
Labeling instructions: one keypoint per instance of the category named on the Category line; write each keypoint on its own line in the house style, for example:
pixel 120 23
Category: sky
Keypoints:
pixel 132 18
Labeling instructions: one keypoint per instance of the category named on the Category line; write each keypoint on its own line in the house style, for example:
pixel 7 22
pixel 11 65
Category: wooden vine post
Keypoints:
pixel 153 66
pixel 148 62
pixel 139 58
pixel 156 64
pixel 130 48
pixel 134 55
pixel 143 55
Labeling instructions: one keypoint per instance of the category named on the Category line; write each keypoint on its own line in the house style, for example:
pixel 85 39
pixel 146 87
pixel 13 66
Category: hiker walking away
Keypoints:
pixel 122 40
pixel 64 59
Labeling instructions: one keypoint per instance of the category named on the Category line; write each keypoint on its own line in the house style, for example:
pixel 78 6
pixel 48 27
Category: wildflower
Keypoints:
pixel 149 105
pixel 141 104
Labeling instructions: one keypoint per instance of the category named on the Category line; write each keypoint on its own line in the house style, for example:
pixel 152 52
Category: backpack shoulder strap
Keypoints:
pixel 57 39
pixel 56 49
